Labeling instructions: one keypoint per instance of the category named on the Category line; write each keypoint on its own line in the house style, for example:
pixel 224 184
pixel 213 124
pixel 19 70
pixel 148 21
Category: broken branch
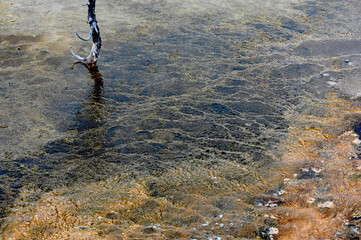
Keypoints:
pixel 97 41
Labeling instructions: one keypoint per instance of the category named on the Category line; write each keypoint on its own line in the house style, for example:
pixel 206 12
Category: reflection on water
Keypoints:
pixel 192 128
pixel 92 117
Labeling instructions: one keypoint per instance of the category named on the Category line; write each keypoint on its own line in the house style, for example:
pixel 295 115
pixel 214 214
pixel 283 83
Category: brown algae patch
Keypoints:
pixel 321 195
pixel 180 204
pixel 196 199
pixel 51 215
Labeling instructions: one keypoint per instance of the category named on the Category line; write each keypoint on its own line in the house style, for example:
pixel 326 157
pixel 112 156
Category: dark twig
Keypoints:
pixel 97 41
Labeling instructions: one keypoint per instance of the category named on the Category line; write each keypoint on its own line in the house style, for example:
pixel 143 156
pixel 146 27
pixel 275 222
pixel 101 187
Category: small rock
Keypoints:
pixel 331 83
pixel 268 232
pixel 150 229
pixel 316 170
pixel 327 204
pixel 311 200
pixel 273 231
pixel 112 215
pixel 308 173
pixel 205 224
pixel 271 204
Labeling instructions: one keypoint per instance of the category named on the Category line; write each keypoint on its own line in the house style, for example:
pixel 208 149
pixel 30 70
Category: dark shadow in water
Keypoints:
pixel 65 160
pixel 91 117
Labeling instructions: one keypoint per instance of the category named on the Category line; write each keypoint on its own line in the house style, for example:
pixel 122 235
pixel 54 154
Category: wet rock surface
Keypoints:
pixel 191 101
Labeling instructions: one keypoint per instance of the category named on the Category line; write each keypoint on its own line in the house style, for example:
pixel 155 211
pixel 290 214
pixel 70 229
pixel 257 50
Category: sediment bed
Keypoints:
pixel 223 120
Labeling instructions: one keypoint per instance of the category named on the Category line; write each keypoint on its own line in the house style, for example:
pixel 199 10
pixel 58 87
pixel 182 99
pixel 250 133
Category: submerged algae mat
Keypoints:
pixel 179 132
pixel 321 193
pixel 318 198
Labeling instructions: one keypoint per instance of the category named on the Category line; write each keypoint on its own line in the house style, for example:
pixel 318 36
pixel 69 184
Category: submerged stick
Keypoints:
pixel 94 33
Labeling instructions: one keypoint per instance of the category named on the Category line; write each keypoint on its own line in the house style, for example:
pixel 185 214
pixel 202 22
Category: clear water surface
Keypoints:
pixel 202 120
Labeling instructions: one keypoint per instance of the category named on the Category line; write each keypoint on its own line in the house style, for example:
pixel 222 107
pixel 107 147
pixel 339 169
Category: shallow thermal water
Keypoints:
pixel 186 128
